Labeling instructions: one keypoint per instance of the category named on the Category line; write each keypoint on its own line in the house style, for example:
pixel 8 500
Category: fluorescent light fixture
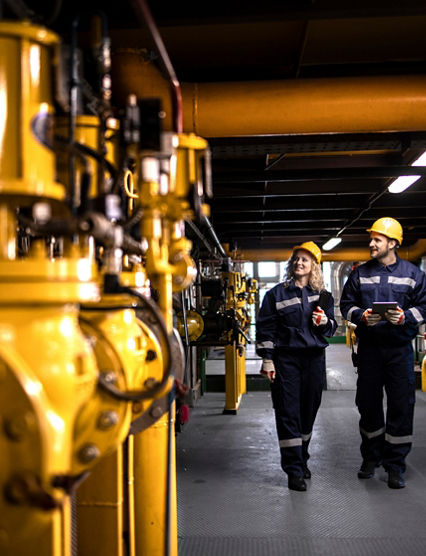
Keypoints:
pixel 331 243
pixel 403 182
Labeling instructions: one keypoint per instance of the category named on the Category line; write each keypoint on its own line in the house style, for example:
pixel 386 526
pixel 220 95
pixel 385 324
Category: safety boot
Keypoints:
pixel 367 470
pixel 395 479
pixel 296 482
pixel 306 471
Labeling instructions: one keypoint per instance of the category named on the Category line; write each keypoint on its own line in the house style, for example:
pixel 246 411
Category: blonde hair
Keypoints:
pixel 316 280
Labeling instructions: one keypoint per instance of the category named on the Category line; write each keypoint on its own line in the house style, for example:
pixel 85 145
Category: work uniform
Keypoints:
pixel 285 334
pixel 385 357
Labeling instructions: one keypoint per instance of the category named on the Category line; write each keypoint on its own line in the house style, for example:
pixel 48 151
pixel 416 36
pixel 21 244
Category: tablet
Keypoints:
pixel 382 306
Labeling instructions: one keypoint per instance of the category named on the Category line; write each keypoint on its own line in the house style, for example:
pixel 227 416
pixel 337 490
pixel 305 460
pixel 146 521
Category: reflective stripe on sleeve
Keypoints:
pixel 369 280
pixel 402 281
pixel 265 345
pixel 351 310
pixel 288 302
pixel 290 442
pixel 398 439
pixel 416 314
pixel 313 298
pixel 372 434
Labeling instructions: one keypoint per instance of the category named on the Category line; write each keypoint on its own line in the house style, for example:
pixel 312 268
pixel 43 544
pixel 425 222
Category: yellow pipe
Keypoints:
pixel 232 380
pixel 101 502
pixel 332 105
pixel 130 527
pixel 150 490
pixel 411 253
pixel 342 105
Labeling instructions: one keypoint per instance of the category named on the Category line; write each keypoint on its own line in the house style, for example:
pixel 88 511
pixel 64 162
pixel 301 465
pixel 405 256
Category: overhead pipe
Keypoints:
pixel 292 106
pixel 410 253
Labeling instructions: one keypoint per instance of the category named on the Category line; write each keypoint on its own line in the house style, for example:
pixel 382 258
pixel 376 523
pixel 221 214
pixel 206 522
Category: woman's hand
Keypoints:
pixel 268 369
pixel 319 317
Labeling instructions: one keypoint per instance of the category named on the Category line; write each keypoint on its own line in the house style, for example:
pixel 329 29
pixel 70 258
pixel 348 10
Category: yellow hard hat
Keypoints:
pixel 389 227
pixel 312 248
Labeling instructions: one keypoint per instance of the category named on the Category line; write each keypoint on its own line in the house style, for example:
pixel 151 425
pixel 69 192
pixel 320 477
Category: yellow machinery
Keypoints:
pixel 239 293
pixel 224 322
pixel 49 371
pixel 85 355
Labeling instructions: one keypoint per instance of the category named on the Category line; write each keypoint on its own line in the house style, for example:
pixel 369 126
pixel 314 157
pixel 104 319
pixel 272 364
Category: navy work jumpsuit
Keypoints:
pixel 385 355
pixel 286 335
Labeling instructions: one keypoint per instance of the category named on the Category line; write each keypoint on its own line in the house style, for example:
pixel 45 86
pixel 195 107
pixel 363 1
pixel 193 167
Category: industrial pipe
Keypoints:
pixel 330 105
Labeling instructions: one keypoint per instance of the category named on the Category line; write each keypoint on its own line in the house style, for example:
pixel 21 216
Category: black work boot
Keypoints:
pixel 395 479
pixel 367 470
pixel 296 482
pixel 306 471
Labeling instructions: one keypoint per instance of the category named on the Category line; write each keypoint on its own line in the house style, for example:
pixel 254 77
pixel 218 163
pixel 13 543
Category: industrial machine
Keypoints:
pixel 222 319
pixel 93 200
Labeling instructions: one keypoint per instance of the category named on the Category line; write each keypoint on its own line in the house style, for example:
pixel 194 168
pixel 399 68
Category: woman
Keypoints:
pixel 291 325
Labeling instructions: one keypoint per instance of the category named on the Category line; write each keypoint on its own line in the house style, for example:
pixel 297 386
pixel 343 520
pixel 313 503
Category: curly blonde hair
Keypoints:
pixel 316 280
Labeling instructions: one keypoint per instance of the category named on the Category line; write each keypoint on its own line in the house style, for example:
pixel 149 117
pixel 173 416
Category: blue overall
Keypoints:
pixel 385 357
pixel 286 335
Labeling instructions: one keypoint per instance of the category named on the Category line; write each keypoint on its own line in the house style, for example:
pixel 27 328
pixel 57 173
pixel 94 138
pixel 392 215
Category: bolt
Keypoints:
pixel 107 419
pixel 156 412
pixel 88 453
pixel 110 377
pixel 150 382
pixel 150 355
pixel 136 407
pixel 16 426
pixel 26 489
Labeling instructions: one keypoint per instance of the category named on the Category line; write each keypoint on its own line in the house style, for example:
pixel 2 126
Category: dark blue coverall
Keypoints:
pixel 286 335
pixel 385 357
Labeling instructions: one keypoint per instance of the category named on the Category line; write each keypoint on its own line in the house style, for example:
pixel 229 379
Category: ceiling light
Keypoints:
pixel 403 182
pixel 331 243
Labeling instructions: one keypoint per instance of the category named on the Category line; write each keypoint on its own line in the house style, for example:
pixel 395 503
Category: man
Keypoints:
pixel 385 353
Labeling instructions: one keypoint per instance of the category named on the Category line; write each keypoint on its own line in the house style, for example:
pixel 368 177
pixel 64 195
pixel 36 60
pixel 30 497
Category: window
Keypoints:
pixel 267 269
pixel 248 269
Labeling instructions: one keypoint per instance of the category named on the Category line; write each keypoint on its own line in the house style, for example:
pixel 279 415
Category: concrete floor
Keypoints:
pixel 233 498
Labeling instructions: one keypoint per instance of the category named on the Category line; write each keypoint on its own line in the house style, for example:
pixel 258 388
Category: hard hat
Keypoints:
pixel 312 248
pixel 389 227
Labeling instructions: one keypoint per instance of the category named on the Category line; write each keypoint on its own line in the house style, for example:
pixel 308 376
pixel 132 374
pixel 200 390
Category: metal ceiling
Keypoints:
pixel 273 191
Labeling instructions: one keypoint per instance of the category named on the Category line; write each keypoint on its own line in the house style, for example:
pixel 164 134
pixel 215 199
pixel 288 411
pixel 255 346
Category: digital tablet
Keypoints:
pixel 382 306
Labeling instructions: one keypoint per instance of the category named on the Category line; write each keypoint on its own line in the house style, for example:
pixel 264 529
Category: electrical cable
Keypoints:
pixel 152 392
pixel 168 476
pixel 143 10
pixel 86 150
pixel 21 10
pixel 48 20
pixel 134 219
pixel 187 346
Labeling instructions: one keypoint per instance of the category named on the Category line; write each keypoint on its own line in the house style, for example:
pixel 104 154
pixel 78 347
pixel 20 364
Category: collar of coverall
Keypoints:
pixel 390 267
